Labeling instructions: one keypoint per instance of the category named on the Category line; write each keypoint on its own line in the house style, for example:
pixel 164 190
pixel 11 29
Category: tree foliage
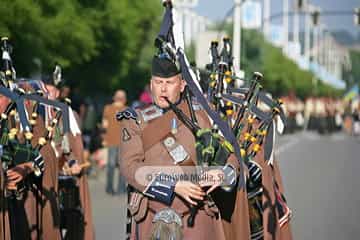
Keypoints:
pixel 353 75
pixel 102 44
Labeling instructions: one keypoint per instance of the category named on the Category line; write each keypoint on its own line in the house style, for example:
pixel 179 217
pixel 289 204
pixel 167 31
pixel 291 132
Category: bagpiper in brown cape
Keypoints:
pixel 154 140
pixel 69 149
pixel 33 213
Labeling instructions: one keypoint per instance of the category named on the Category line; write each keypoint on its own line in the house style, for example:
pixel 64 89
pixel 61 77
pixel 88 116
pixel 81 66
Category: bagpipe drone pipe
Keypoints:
pixel 257 118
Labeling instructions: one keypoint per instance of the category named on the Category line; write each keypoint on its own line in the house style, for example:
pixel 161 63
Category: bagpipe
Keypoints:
pixel 20 151
pixel 253 118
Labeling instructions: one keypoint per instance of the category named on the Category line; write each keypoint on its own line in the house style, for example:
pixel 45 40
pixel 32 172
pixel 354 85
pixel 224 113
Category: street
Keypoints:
pixel 321 176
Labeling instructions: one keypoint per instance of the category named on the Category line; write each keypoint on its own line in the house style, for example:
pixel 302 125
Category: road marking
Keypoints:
pixel 338 137
pixel 287 145
pixel 293 140
pixel 311 136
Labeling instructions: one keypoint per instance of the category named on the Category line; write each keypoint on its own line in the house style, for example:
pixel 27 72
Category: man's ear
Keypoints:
pixel 182 85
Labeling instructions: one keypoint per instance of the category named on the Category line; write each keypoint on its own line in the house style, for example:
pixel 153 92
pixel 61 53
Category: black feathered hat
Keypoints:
pixel 164 67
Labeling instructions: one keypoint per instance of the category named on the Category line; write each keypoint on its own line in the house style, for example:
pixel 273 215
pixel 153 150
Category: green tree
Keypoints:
pixel 52 31
pixel 352 76
pixel 102 44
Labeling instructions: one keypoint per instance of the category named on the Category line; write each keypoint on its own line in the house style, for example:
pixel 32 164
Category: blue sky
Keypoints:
pixel 216 10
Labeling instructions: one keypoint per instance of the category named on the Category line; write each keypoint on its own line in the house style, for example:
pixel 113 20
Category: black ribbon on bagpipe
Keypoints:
pixel 20 106
pixel 64 108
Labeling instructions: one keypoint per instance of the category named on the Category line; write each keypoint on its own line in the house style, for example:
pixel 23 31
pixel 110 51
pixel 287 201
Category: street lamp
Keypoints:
pixel 357 16
pixel 307 31
pixel 266 21
pixel 186 17
pixel 315 17
pixel 315 14
pixel 237 35
pixel 286 24
pixel 300 4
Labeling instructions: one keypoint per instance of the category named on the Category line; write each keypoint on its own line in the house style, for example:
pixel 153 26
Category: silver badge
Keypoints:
pixel 151 113
pixel 176 151
pixel 179 154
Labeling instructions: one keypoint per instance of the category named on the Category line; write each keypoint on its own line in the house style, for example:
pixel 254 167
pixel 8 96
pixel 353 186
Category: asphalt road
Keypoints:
pixel 321 176
pixel 109 212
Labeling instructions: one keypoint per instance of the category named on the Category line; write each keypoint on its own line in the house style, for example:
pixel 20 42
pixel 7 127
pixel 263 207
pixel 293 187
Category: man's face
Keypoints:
pixel 4 101
pixel 170 88
pixel 65 92
pixel 120 97
pixel 54 93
